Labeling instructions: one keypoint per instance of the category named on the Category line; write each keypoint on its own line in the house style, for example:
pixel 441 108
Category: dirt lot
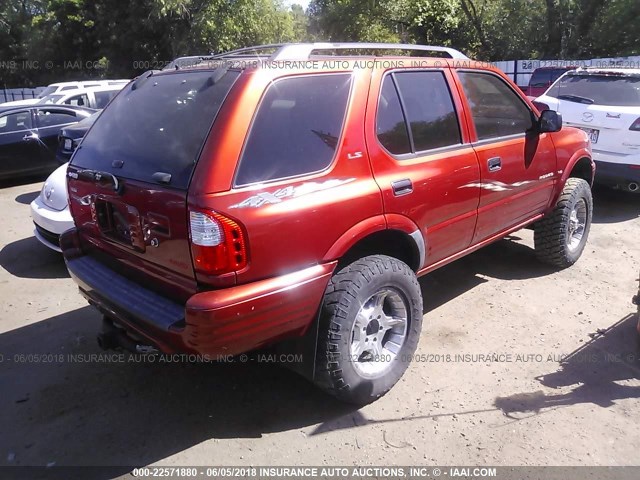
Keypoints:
pixel 515 406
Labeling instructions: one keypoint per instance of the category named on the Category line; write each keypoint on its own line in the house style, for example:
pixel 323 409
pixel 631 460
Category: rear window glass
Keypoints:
pixel 157 124
pixel 390 125
pixel 429 109
pixel 598 89
pixel 297 128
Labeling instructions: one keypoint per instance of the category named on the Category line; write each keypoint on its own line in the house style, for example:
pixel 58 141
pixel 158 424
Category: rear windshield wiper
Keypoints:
pixel 101 178
pixel 576 98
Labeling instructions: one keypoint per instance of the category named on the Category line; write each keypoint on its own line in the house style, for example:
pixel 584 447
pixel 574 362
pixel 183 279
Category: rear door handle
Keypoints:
pixel 402 187
pixel 494 164
pixel 31 137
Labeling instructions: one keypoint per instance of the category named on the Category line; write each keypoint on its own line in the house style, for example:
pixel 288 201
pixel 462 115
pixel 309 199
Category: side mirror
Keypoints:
pixel 549 121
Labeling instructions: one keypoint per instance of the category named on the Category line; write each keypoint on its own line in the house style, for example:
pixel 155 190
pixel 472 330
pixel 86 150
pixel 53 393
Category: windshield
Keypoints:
pixel 47 91
pixel 157 124
pixel 588 88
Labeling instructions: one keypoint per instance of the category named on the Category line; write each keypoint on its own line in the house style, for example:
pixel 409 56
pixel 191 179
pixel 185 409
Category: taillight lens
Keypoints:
pixel 635 126
pixel 217 243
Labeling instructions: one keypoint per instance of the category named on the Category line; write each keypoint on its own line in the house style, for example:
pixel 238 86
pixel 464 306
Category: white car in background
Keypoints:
pixel 50 210
pixel 96 97
pixel 65 87
pixel 605 103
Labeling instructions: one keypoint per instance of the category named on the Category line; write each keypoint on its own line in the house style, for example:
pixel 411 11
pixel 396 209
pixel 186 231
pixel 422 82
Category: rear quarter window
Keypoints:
pixel 296 129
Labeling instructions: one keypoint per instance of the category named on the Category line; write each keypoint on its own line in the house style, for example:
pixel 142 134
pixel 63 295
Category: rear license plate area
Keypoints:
pixel 593 134
pixel 119 222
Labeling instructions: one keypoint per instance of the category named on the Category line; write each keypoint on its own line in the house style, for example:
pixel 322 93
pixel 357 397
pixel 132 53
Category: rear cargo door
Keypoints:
pixel 128 180
pixel 604 106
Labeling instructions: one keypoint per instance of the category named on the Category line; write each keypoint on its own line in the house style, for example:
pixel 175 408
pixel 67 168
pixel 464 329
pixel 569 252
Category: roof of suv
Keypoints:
pixel 608 71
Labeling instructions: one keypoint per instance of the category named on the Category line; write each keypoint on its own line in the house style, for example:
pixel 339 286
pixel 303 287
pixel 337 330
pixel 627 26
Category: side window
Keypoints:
pixel 296 129
pixel 51 118
pixel 391 127
pixel 497 110
pixel 78 100
pixel 102 98
pixel 540 78
pixel 69 87
pixel 15 122
pixel 429 109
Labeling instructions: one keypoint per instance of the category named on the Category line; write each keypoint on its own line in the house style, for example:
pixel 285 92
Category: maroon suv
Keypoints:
pixel 288 193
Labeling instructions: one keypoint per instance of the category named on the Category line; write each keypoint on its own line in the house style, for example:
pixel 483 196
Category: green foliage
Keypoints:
pixel 43 41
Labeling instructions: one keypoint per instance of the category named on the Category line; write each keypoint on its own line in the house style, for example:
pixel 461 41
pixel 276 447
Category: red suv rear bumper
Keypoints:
pixel 214 323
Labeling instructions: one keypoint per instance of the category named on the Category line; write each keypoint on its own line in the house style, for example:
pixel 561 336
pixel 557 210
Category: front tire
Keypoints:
pixel 369 328
pixel 560 237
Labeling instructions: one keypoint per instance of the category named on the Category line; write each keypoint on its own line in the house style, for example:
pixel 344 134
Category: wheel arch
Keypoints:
pixel 393 235
pixel 581 165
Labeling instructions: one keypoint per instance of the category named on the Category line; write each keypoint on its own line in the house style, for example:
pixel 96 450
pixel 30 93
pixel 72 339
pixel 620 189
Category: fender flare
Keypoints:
pixel 375 224
pixel 564 173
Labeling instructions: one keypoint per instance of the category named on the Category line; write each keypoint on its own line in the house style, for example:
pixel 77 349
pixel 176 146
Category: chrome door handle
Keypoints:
pixel 402 187
pixel 494 164
pixel 30 138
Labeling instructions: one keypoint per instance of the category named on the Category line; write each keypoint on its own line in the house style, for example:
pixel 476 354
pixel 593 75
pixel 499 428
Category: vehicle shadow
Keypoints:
pixel 611 206
pixel 14 182
pixel 593 370
pixel 505 259
pixel 28 258
pixel 125 410
pixel 27 198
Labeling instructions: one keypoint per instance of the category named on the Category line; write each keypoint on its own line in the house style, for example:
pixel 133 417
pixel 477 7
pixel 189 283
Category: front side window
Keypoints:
pixel 15 122
pixel 497 111
pixel 296 129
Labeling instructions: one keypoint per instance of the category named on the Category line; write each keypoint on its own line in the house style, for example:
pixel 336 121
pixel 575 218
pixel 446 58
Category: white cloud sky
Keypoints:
pixel 304 3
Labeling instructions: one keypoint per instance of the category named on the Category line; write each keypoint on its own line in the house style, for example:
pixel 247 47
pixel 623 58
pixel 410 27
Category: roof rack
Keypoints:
pixel 304 51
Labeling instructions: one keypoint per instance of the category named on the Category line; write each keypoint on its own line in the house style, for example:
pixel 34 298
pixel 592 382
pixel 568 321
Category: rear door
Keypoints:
pixel 421 159
pixel 19 150
pixel 49 122
pixel 517 165
pixel 130 176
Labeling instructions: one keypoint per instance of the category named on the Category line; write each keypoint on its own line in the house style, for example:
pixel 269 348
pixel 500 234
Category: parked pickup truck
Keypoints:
pixel 292 195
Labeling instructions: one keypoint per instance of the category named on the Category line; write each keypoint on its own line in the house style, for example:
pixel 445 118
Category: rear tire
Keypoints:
pixel 560 237
pixel 369 329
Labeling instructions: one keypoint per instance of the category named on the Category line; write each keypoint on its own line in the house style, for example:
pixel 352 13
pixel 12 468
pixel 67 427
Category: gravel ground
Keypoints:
pixel 487 387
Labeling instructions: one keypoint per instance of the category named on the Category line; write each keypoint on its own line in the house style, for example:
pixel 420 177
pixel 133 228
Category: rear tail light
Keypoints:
pixel 217 243
pixel 635 126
